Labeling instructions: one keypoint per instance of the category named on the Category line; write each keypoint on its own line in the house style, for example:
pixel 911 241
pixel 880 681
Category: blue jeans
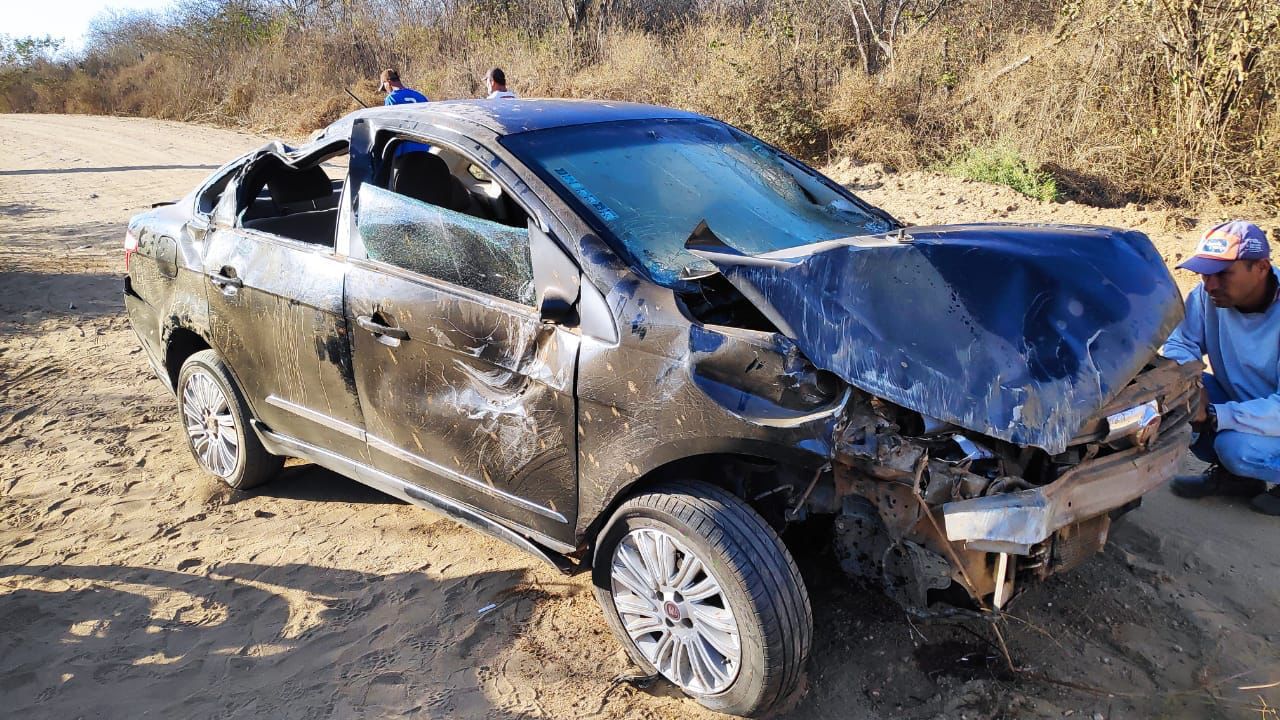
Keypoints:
pixel 1243 454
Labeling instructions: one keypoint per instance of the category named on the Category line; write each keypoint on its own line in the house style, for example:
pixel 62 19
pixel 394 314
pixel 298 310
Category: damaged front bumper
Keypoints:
pixel 1004 541
pixel 1015 522
pixel 979 525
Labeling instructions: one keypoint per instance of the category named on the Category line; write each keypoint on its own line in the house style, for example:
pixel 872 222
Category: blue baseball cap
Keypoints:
pixel 1226 243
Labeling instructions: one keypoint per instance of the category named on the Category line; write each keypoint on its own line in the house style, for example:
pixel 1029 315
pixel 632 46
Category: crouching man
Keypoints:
pixel 1233 316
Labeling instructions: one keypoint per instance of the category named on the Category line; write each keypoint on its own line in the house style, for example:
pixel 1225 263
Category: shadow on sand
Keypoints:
pixel 286 640
pixel 313 483
pixel 117 168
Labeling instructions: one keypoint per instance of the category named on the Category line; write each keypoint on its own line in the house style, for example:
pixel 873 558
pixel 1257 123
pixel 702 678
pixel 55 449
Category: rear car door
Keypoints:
pixel 276 317
pixel 465 390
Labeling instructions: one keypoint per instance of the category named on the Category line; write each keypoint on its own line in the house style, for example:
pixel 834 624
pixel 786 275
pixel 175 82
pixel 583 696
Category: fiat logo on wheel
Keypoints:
pixel 672 610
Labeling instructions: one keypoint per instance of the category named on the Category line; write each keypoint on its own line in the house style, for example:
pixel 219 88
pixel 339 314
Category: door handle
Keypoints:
pixel 226 277
pixel 378 328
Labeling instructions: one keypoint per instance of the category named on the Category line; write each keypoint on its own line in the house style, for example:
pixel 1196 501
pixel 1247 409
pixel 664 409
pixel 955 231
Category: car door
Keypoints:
pixel 276 318
pixel 466 390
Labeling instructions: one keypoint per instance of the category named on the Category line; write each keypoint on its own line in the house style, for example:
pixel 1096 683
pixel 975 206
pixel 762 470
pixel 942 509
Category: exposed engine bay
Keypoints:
pixel 991 434
pixel 926 508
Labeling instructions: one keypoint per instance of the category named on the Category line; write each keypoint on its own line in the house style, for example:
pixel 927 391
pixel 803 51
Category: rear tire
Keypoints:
pixel 701 590
pixel 215 418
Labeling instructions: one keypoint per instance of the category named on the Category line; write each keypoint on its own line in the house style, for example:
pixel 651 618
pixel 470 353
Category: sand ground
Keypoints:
pixel 132 585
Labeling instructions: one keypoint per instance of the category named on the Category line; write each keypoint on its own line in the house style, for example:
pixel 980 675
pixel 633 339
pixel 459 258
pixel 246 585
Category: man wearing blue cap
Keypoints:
pixel 1233 317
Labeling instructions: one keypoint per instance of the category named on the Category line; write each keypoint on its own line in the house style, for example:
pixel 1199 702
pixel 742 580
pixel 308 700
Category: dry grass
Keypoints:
pixel 1112 99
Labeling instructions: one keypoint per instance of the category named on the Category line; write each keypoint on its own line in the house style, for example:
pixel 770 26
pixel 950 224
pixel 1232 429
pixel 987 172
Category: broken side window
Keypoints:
pixel 299 202
pixel 211 193
pixel 439 175
pixel 446 244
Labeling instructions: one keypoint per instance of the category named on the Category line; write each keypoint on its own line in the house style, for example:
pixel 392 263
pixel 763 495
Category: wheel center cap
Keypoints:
pixel 672 610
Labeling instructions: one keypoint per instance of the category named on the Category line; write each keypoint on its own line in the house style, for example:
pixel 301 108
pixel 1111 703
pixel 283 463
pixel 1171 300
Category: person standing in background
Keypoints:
pixel 496 81
pixel 397 93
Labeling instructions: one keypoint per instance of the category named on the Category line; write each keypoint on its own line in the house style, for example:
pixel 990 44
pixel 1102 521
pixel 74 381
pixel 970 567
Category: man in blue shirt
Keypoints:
pixel 1233 316
pixel 398 94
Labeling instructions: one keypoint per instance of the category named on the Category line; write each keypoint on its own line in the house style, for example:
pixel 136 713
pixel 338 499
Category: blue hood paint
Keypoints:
pixel 1019 332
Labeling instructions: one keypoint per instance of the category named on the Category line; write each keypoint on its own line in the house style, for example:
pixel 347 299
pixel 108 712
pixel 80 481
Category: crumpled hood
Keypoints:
pixel 1019 332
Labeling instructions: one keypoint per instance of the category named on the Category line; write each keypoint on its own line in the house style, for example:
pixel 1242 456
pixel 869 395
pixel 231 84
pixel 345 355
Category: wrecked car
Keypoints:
pixel 640 342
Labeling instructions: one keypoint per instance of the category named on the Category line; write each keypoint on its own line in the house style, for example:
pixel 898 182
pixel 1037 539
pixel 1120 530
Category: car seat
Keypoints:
pixel 425 177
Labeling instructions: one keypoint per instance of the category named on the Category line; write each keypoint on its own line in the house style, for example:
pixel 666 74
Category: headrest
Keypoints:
pixel 291 186
pixel 422 176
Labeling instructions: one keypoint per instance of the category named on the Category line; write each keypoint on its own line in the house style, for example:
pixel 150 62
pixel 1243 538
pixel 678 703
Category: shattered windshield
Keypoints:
pixel 650 182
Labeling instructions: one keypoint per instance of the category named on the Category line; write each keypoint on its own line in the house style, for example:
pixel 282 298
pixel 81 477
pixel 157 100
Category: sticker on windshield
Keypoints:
pixel 587 196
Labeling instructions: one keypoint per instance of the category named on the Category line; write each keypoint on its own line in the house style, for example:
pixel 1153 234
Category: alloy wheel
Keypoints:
pixel 210 425
pixel 675 611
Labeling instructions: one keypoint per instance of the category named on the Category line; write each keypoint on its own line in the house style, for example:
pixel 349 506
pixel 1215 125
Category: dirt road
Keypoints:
pixel 130 584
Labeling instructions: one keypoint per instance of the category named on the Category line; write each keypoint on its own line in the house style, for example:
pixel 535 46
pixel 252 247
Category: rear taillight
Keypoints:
pixel 130 247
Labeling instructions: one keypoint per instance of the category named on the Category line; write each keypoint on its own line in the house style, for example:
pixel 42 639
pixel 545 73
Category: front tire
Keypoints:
pixel 216 421
pixel 702 591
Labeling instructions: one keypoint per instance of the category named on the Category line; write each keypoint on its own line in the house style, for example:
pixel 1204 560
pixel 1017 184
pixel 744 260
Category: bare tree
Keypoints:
pixel 878 24
pixel 1212 48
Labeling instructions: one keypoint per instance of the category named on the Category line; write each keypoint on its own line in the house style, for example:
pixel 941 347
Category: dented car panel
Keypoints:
pixel 1025 419
pixel 917 319
pixel 478 391
pixel 159 301
pixel 920 512
pixel 276 317
pixel 712 398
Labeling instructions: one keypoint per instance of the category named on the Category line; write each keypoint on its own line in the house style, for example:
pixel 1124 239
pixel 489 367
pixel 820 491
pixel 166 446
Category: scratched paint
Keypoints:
pixel 743 383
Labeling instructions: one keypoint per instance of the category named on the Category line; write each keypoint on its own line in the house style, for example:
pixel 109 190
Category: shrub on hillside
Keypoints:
pixel 1001 165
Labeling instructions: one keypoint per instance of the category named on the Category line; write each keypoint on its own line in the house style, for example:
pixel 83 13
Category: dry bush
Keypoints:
pixel 1104 96
pixel 1091 93
pixel 1144 99
pixel 898 118
pixel 634 65
pixel 322 112
pixel 756 78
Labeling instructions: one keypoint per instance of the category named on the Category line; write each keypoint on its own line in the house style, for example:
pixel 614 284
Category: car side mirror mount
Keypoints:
pixel 557 310
pixel 556 278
